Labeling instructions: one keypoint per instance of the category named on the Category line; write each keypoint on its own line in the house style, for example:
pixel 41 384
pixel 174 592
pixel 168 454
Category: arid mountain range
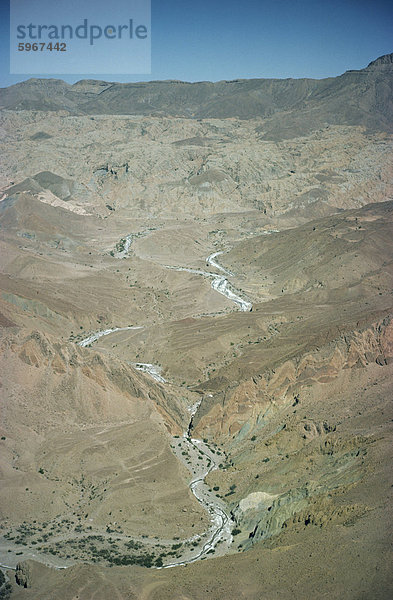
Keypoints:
pixel 196 332
pixel 290 107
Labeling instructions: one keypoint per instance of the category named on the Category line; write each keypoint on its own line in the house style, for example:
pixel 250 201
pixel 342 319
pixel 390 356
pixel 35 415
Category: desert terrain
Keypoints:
pixel 196 332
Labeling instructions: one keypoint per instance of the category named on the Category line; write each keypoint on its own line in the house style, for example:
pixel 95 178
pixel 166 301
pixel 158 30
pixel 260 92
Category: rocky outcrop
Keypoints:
pixel 248 406
pixel 381 61
pixel 262 515
pixel 23 574
pixel 78 375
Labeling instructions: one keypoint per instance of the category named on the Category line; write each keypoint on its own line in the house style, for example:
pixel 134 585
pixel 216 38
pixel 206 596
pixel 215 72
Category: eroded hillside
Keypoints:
pixel 224 275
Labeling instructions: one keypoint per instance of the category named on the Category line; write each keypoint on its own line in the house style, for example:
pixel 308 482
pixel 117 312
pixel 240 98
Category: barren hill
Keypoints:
pixel 209 261
pixel 294 106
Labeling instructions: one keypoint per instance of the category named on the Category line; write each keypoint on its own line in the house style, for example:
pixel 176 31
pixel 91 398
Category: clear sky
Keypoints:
pixel 217 39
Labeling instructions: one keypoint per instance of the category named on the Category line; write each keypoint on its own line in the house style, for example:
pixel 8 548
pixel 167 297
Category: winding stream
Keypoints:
pixel 201 460
pixel 219 282
pixel 127 241
pixel 222 286
pixel 152 370
pixel 213 263
pixel 127 244
pixel 96 336
pixel 222 524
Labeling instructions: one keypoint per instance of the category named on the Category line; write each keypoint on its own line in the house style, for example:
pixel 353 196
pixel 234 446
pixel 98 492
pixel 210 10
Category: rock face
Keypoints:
pixel 247 406
pixel 386 59
pixel 23 574
pixel 263 515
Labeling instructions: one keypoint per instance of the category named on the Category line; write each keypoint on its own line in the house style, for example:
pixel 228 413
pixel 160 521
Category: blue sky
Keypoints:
pixel 214 40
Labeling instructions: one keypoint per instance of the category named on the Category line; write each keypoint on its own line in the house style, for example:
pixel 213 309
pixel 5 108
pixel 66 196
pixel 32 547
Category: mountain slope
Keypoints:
pixel 361 97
